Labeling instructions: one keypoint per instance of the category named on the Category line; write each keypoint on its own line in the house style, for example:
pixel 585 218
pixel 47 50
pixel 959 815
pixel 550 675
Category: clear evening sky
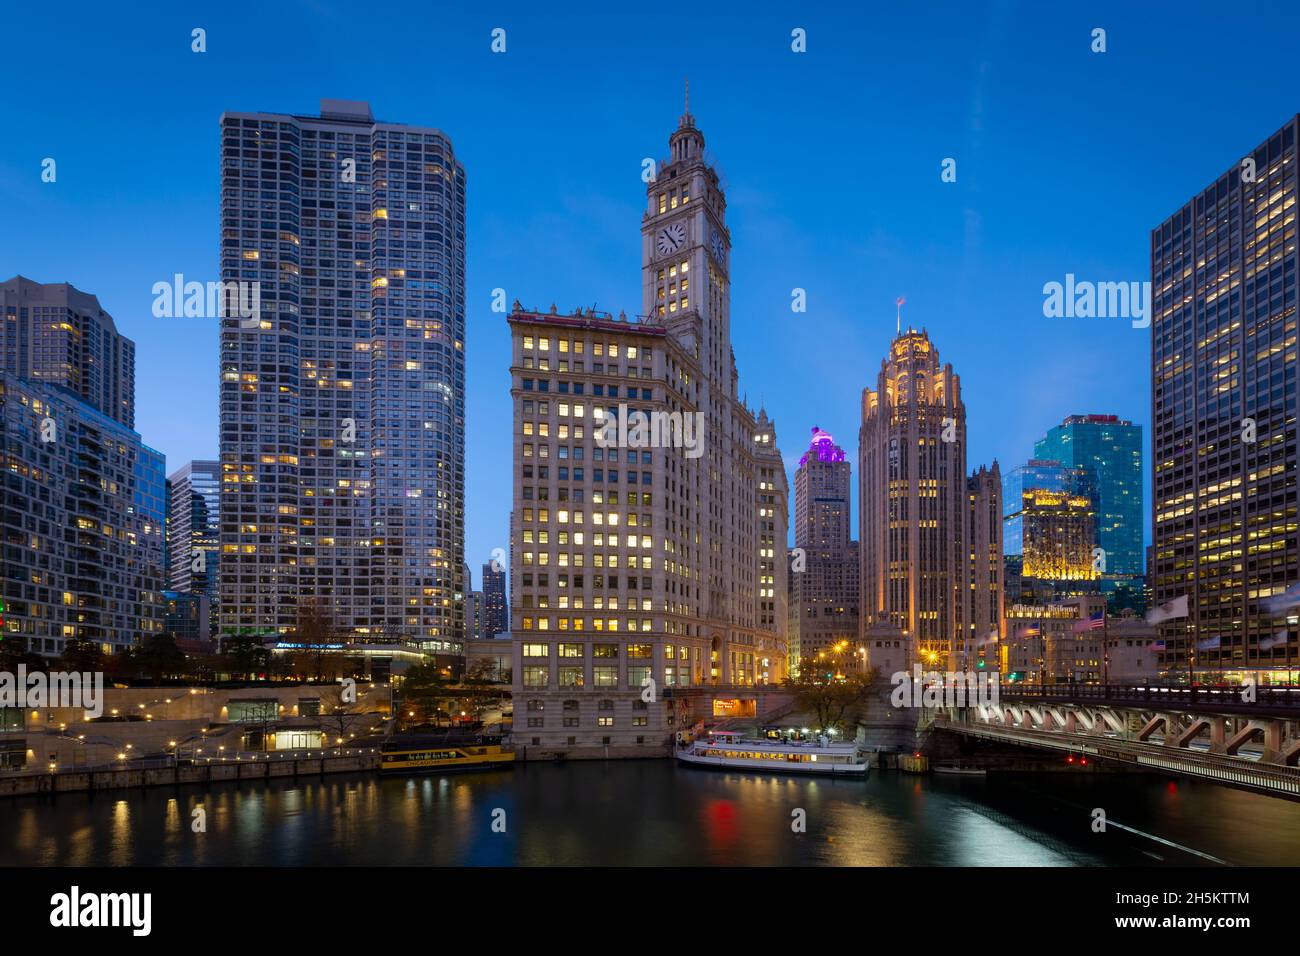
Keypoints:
pixel 832 158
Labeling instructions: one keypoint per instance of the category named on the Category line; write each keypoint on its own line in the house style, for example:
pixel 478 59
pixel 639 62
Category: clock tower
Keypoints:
pixel 686 251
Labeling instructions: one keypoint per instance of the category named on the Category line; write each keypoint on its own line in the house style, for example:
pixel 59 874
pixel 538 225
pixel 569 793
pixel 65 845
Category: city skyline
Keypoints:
pixel 477 437
pixel 961 270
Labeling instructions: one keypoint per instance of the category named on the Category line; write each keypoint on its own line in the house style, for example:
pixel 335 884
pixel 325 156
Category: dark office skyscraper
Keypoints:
pixel 194 492
pixel 496 603
pixel 343 408
pixel 1223 361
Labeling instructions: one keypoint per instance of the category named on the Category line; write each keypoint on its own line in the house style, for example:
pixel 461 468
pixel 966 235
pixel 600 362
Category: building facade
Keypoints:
pixel 824 572
pixel 1076 642
pixel 83 510
pixel 1110 450
pixel 187 617
pixel 918 511
pixel 647 553
pixel 985 617
pixel 343 407
pixel 1223 408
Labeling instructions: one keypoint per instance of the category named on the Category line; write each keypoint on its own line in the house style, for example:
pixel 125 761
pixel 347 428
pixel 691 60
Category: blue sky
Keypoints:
pixel 832 160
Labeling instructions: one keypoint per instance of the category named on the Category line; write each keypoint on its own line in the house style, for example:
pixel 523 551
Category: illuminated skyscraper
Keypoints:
pixel 824 585
pixel 1110 449
pixel 1049 532
pixel 343 409
pixel 918 510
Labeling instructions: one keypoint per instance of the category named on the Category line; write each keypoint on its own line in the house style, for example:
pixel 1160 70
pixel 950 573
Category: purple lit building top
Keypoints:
pixel 822 448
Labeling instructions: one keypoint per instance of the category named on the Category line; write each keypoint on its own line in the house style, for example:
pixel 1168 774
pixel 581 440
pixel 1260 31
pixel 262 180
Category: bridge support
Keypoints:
pixel 1111 720
pixel 1156 722
pixel 1184 737
pixel 1291 755
pixel 1076 719
pixel 1269 730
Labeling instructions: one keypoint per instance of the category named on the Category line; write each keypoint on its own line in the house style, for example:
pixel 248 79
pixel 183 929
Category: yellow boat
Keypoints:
pixel 431 755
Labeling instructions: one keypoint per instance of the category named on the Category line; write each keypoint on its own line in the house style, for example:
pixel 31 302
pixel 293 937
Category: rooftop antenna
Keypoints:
pixel 899 320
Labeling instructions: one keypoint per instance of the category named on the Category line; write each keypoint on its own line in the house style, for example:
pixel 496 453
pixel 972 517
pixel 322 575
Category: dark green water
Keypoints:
pixel 656 813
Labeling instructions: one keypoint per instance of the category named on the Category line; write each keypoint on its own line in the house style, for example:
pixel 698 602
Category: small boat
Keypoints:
pixel 956 770
pixel 733 752
pixel 434 754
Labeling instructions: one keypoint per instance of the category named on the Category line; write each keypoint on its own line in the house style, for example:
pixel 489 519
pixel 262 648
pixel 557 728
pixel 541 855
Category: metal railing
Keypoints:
pixel 1283 701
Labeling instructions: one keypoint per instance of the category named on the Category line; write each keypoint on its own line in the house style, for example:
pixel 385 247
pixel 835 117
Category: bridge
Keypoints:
pixel 1246 738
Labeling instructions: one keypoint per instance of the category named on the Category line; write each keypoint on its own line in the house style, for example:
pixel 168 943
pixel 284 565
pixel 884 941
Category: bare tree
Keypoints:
pixel 313 628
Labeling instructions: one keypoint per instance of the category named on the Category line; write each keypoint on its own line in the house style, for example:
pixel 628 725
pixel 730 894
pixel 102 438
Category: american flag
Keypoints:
pixel 1097 619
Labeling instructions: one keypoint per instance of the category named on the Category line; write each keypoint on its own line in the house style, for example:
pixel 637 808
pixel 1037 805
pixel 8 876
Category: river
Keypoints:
pixel 657 813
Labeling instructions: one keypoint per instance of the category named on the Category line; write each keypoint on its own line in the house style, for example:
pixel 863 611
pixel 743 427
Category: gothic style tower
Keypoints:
pixel 913 499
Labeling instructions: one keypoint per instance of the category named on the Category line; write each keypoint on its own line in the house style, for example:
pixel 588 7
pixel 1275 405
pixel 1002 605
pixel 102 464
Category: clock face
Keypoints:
pixel 719 249
pixel 671 238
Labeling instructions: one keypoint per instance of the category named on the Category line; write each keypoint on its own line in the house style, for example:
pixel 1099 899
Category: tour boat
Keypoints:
pixel 431 755
pixel 734 752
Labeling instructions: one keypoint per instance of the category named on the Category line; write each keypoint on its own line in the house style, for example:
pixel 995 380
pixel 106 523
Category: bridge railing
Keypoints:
pixel 1280 699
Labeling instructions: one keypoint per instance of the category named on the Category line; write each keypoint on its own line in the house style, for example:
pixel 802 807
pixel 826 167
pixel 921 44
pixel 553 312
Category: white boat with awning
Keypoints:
pixel 734 752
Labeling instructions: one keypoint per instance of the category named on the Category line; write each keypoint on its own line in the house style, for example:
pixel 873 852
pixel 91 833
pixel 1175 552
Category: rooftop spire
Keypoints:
pixel 687 119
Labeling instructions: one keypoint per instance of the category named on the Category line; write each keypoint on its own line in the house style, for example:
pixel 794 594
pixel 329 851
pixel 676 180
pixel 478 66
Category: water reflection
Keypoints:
pixel 652 812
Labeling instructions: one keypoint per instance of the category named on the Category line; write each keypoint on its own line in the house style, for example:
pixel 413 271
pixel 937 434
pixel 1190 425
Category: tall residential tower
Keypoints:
pixel 343 408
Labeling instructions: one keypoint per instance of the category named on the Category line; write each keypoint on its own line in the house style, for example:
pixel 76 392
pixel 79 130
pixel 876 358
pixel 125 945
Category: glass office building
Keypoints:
pixel 1110 449
pixel 1049 518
